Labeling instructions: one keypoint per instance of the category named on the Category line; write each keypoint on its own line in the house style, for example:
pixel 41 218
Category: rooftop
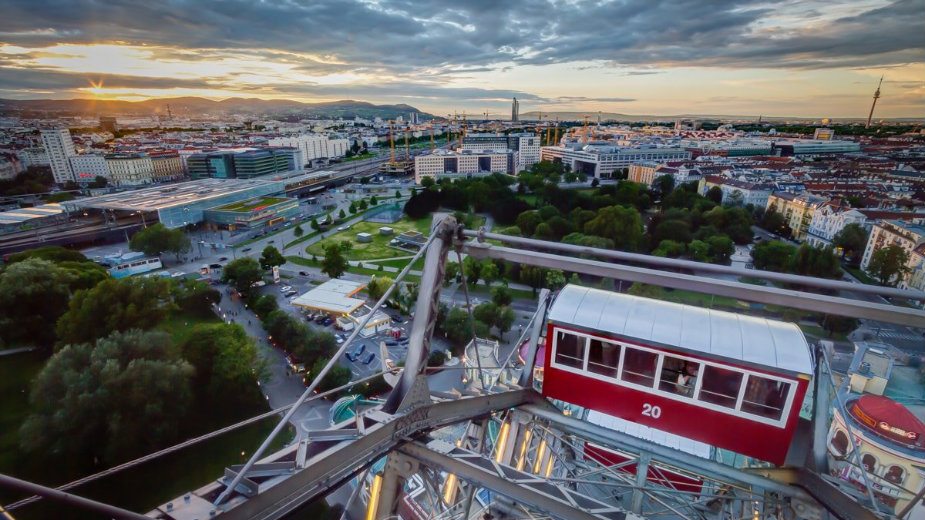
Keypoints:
pixel 171 195
pixel 754 341
pixel 246 206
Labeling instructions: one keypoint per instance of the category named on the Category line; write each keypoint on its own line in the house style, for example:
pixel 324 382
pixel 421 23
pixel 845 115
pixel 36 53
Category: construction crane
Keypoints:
pixel 432 145
pixel 391 144
pixel 874 104
pixel 585 131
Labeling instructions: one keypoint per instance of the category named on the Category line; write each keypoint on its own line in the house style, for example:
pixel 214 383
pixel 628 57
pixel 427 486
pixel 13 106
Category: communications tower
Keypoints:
pixel 874 104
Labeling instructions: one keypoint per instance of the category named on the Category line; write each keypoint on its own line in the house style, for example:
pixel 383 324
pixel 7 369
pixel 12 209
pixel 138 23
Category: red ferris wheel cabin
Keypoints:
pixel 732 381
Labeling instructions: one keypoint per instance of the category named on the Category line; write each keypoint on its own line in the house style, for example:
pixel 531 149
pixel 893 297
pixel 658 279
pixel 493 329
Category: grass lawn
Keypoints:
pixel 355 270
pixel 16 373
pixel 400 263
pixel 819 332
pixel 379 247
pixel 860 275
pixel 180 327
pixel 249 205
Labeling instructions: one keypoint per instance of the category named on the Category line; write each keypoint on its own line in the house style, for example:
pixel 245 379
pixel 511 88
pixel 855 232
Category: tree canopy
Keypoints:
pixel 242 274
pixel 889 264
pixel 121 395
pixel 157 238
pixel 271 257
pixel 334 264
pixel 115 306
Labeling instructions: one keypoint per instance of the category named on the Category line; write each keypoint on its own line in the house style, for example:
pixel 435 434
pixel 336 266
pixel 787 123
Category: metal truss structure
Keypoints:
pixel 513 442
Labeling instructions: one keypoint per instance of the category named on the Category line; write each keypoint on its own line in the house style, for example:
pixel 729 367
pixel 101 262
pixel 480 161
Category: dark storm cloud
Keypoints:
pixel 404 36
pixel 29 79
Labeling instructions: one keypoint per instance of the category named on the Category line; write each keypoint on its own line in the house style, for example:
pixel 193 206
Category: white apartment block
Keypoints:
pixel 467 162
pixel 602 160
pixel 88 167
pixel 313 146
pixel 130 169
pixel 910 237
pixel 526 145
pixel 35 156
pixel 60 148
pixel 828 220
pixel 736 192
pixel 166 166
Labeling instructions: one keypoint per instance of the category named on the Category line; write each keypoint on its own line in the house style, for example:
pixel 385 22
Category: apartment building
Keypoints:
pixel 908 236
pixel 130 169
pixel 60 148
pixel 467 162
pixel 797 210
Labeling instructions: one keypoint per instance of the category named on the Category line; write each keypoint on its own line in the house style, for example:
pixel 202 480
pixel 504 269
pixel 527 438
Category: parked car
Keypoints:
pixel 215 266
pixel 285 288
pixel 223 259
pixel 369 359
pixel 246 249
pixel 291 294
pixel 403 341
pixel 303 273
pixel 391 343
pixel 327 321
pixel 320 317
pixel 350 357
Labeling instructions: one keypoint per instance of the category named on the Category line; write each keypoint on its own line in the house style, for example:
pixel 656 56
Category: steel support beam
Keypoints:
pixel 748 292
pixel 345 459
pixel 318 378
pixel 621 441
pixel 523 488
pixel 673 263
pixel 69 499
pixel 425 314
pixel 526 377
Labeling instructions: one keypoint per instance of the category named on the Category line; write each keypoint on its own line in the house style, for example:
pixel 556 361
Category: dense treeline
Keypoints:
pixel 116 385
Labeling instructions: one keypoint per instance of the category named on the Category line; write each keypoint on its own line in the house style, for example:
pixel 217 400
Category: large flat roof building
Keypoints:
pixel 182 203
pixel 601 160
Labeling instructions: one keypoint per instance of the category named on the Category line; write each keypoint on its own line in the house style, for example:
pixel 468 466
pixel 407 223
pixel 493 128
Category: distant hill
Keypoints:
pixel 612 116
pixel 196 106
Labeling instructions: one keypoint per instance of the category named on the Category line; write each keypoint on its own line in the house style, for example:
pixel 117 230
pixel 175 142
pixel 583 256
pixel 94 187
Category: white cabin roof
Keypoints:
pixel 735 337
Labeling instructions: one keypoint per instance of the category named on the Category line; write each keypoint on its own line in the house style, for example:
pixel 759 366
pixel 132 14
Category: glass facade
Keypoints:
pixel 193 212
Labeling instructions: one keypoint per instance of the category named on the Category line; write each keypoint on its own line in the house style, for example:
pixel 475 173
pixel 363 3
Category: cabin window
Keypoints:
pixel 720 386
pixel 840 442
pixel 895 474
pixel 679 376
pixel 639 366
pixel 765 397
pixel 570 349
pixel 869 462
pixel 603 357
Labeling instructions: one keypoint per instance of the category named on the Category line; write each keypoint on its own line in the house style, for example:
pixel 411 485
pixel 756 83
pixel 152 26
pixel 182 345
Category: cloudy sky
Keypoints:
pixel 800 58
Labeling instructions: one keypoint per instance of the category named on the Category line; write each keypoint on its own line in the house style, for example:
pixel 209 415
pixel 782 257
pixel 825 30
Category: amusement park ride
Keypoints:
pixel 534 441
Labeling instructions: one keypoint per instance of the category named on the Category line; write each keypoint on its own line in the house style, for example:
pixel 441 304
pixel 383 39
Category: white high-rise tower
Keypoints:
pixel 60 149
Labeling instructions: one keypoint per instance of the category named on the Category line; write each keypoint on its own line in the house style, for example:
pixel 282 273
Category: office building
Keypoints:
pixel 790 147
pixel 60 148
pixel 217 165
pixel 166 165
pixel 515 111
pixel 88 167
pixel 313 146
pixel 600 161
pixel 443 163
pixel 526 145
pixel 254 163
pixel 824 134
pixel 130 169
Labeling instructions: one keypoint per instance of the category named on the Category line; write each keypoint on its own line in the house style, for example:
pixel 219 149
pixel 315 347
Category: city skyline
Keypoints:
pixel 801 59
